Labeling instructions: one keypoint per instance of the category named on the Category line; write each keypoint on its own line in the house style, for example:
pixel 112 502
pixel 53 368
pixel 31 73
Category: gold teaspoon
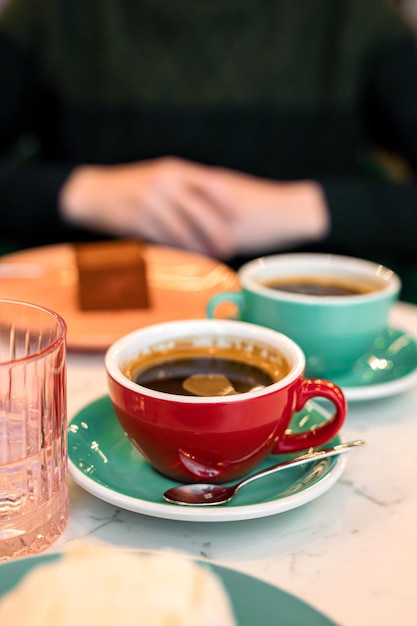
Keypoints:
pixel 209 494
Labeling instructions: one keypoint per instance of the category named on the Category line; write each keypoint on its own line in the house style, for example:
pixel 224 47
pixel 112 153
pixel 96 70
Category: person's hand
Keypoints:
pixel 210 210
pixel 161 201
pixel 268 215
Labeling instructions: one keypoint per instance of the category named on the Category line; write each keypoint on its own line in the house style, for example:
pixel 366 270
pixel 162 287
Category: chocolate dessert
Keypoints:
pixel 111 275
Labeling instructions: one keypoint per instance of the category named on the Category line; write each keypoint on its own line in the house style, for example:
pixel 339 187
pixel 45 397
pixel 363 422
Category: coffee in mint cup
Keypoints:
pixel 332 306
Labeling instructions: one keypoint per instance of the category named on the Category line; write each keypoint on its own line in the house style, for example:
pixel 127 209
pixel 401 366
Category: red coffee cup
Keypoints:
pixel 216 438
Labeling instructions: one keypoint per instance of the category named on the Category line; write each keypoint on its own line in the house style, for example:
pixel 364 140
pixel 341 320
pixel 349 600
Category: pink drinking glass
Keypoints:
pixel 33 422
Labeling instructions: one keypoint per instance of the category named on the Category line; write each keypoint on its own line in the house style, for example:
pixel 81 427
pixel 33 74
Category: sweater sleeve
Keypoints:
pixel 373 214
pixel 371 217
pixel 28 197
pixel 29 185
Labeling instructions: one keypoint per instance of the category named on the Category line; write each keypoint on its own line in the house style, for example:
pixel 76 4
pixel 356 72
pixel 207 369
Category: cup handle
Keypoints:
pixel 313 388
pixel 233 297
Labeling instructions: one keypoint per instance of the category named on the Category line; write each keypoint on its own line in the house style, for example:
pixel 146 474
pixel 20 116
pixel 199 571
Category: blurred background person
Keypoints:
pixel 233 128
pixel 409 10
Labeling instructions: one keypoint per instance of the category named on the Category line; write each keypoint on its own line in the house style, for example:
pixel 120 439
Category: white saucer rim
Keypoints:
pixel 380 390
pixel 209 514
pixel 171 511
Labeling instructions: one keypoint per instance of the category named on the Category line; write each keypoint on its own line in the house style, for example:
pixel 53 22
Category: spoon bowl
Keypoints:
pixel 209 494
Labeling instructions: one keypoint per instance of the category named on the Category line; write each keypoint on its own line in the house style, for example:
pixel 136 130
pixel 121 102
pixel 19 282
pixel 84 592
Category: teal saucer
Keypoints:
pixel 104 462
pixel 389 368
pixel 253 601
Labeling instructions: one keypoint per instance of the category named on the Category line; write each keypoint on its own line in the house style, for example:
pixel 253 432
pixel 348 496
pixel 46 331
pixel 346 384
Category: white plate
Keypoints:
pixel 104 462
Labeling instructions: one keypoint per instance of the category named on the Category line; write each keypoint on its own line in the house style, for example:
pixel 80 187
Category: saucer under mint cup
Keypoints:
pixel 333 329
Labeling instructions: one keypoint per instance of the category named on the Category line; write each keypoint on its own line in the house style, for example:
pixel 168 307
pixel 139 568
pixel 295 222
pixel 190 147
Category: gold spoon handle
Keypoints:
pixel 204 494
pixel 303 458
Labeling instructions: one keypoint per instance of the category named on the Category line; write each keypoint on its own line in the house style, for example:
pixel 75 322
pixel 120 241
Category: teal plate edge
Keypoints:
pixel 253 601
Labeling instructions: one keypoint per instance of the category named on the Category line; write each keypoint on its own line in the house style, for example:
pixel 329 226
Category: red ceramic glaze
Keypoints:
pixel 216 439
pixel 220 441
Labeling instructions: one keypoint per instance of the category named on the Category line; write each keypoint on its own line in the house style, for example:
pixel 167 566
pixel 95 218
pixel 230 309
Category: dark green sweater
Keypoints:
pixel 278 88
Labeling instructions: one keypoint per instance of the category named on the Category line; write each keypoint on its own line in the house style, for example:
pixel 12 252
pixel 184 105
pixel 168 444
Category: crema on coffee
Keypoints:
pixel 245 366
pixel 323 285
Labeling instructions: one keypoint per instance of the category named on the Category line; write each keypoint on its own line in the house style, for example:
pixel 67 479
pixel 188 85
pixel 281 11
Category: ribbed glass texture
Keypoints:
pixel 33 419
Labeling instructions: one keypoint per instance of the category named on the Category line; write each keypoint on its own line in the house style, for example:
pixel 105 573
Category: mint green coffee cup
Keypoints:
pixel 346 308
